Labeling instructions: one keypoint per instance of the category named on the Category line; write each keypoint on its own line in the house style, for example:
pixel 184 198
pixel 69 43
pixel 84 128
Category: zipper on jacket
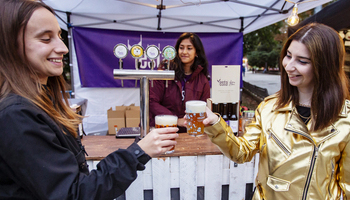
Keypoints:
pixel 329 187
pixel 279 143
pixel 309 175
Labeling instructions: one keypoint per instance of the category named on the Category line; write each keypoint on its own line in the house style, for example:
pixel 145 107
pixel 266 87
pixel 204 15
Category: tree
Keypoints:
pixel 260 46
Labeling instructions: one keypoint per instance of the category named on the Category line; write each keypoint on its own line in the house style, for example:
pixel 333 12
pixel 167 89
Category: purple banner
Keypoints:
pixel 96 60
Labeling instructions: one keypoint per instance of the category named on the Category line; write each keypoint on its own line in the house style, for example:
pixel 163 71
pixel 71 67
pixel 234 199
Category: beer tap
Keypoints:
pixel 120 51
pixel 121 67
pixel 136 52
pixel 144 76
pixel 152 52
pixel 168 53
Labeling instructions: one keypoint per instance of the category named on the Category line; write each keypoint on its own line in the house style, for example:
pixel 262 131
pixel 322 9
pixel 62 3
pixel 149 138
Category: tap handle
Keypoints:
pixel 121 67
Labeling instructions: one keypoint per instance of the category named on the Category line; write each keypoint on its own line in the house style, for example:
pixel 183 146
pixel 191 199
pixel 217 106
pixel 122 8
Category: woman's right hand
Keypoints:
pixel 211 118
pixel 158 141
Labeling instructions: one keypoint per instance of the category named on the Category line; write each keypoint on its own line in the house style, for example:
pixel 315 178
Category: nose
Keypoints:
pixel 288 65
pixel 61 48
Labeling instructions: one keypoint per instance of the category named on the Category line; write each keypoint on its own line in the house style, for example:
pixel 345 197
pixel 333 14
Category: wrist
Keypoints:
pixel 217 120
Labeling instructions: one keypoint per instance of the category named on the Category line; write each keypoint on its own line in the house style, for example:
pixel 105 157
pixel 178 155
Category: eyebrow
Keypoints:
pixel 41 33
pixel 299 56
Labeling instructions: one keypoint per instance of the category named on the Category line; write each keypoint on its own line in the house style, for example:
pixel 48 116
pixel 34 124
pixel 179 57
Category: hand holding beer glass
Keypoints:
pixel 195 114
pixel 163 121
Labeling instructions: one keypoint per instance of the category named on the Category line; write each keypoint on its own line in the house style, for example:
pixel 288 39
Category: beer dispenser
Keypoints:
pixel 144 76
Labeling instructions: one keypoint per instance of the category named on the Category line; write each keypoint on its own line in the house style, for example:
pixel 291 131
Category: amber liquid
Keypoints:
pixel 164 126
pixel 195 126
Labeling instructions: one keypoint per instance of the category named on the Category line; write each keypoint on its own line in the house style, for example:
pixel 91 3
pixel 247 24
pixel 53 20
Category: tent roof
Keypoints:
pixel 176 15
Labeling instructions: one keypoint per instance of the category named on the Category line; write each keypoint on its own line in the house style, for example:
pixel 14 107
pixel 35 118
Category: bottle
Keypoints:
pixel 233 119
pixel 116 129
pixel 224 111
pixel 240 120
pixel 215 108
pixel 220 111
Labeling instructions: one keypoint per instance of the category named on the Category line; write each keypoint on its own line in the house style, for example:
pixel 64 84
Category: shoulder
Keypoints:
pixel 269 103
pixel 12 101
pixel 15 106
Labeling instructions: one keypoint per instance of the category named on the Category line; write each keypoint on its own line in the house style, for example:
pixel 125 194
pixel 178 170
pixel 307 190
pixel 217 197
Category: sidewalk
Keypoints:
pixel 269 81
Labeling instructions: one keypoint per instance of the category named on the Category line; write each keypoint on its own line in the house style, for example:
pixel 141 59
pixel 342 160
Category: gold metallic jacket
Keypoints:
pixel 294 162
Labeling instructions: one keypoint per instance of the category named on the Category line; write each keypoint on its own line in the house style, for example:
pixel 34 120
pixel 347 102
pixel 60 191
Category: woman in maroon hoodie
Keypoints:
pixel 191 81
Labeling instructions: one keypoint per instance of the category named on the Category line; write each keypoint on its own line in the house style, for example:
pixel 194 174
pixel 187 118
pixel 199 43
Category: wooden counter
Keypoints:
pixel 196 165
pixel 99 147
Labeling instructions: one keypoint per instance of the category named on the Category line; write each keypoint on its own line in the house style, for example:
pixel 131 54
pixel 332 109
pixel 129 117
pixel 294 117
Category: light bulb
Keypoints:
pixel 293 19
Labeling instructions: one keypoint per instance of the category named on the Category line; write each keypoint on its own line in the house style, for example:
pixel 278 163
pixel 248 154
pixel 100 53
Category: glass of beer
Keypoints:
pixel 163 121
pixel 195 114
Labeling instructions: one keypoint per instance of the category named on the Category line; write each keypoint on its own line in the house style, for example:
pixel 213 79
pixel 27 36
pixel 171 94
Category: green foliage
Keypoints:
pixel 260 47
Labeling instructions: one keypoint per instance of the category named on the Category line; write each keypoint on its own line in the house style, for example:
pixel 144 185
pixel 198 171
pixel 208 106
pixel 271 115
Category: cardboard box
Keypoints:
pixel 116 119
pixel 210 103
pixel 123 116
pixel 132 116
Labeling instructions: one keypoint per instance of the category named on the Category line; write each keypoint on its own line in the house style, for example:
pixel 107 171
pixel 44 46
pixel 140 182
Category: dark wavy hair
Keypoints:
pixel 17 76
pixel 201 58
pixel 330 81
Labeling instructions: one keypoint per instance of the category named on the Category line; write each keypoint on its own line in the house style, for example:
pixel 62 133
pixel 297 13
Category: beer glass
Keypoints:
pixel 163 121
pixel 247 118
pixel 195 114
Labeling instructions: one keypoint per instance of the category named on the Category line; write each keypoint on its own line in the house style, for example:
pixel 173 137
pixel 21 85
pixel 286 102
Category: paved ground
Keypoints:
pixel 269 81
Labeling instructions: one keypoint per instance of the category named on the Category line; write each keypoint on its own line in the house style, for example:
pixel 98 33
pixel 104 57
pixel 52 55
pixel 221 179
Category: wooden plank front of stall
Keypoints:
pixel 196 162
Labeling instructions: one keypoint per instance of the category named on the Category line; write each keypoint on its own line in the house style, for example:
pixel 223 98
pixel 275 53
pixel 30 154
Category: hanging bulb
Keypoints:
pixel 293 19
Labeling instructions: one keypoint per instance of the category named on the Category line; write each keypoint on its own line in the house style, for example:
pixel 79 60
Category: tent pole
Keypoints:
pixel 160 7
pixel 69 26
pixel 242 24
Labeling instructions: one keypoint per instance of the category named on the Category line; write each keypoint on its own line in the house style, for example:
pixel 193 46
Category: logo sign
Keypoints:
pixel 152 52
pixel 169 53
pixel 136 51
pixel 120 51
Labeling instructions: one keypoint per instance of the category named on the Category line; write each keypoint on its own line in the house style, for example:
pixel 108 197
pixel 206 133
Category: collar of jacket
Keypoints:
pixel 343 113
pixel 295 124
pixel 196 72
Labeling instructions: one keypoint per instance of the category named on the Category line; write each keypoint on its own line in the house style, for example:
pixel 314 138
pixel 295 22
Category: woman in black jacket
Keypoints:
pixel 41 156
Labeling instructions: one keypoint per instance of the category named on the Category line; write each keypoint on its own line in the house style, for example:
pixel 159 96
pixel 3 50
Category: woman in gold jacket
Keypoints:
pixel 302 132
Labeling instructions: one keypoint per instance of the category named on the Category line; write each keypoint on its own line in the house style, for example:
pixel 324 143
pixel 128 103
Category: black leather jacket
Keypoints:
pixel 39 161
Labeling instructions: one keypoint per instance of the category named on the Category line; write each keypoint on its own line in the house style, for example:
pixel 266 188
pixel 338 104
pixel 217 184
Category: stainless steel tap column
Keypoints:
pixel 144 76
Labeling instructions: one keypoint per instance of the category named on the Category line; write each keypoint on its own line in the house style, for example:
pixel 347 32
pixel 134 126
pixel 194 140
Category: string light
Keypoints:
pixel 293 19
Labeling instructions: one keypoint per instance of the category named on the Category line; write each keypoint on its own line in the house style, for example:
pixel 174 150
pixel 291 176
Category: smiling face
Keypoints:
pixel 298 66
pixel 187 52
pixel 44 47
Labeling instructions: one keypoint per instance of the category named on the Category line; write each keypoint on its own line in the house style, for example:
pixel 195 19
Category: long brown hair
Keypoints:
pixel 201 58
pixel 19 77
pixel 330 81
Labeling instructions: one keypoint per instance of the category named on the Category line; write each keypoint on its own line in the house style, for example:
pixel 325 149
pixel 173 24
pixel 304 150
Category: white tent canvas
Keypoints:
pixel 177 15
pixel 145 15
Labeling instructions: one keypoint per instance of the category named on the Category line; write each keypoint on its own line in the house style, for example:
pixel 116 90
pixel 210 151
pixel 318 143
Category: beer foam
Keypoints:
pixel 166 120
pixel 195 106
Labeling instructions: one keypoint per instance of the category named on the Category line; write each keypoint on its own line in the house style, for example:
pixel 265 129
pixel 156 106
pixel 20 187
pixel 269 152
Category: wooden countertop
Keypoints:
pixel 99 147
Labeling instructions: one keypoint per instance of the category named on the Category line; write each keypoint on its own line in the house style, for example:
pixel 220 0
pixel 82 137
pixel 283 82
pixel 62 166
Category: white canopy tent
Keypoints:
pixel 176 15
pixel 162 16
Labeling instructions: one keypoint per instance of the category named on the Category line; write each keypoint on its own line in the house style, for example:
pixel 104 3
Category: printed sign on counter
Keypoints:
pixel 225 83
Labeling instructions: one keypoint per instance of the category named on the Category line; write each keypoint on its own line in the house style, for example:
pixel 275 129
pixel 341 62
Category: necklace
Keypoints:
pixel 305 105
pixel 306 119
